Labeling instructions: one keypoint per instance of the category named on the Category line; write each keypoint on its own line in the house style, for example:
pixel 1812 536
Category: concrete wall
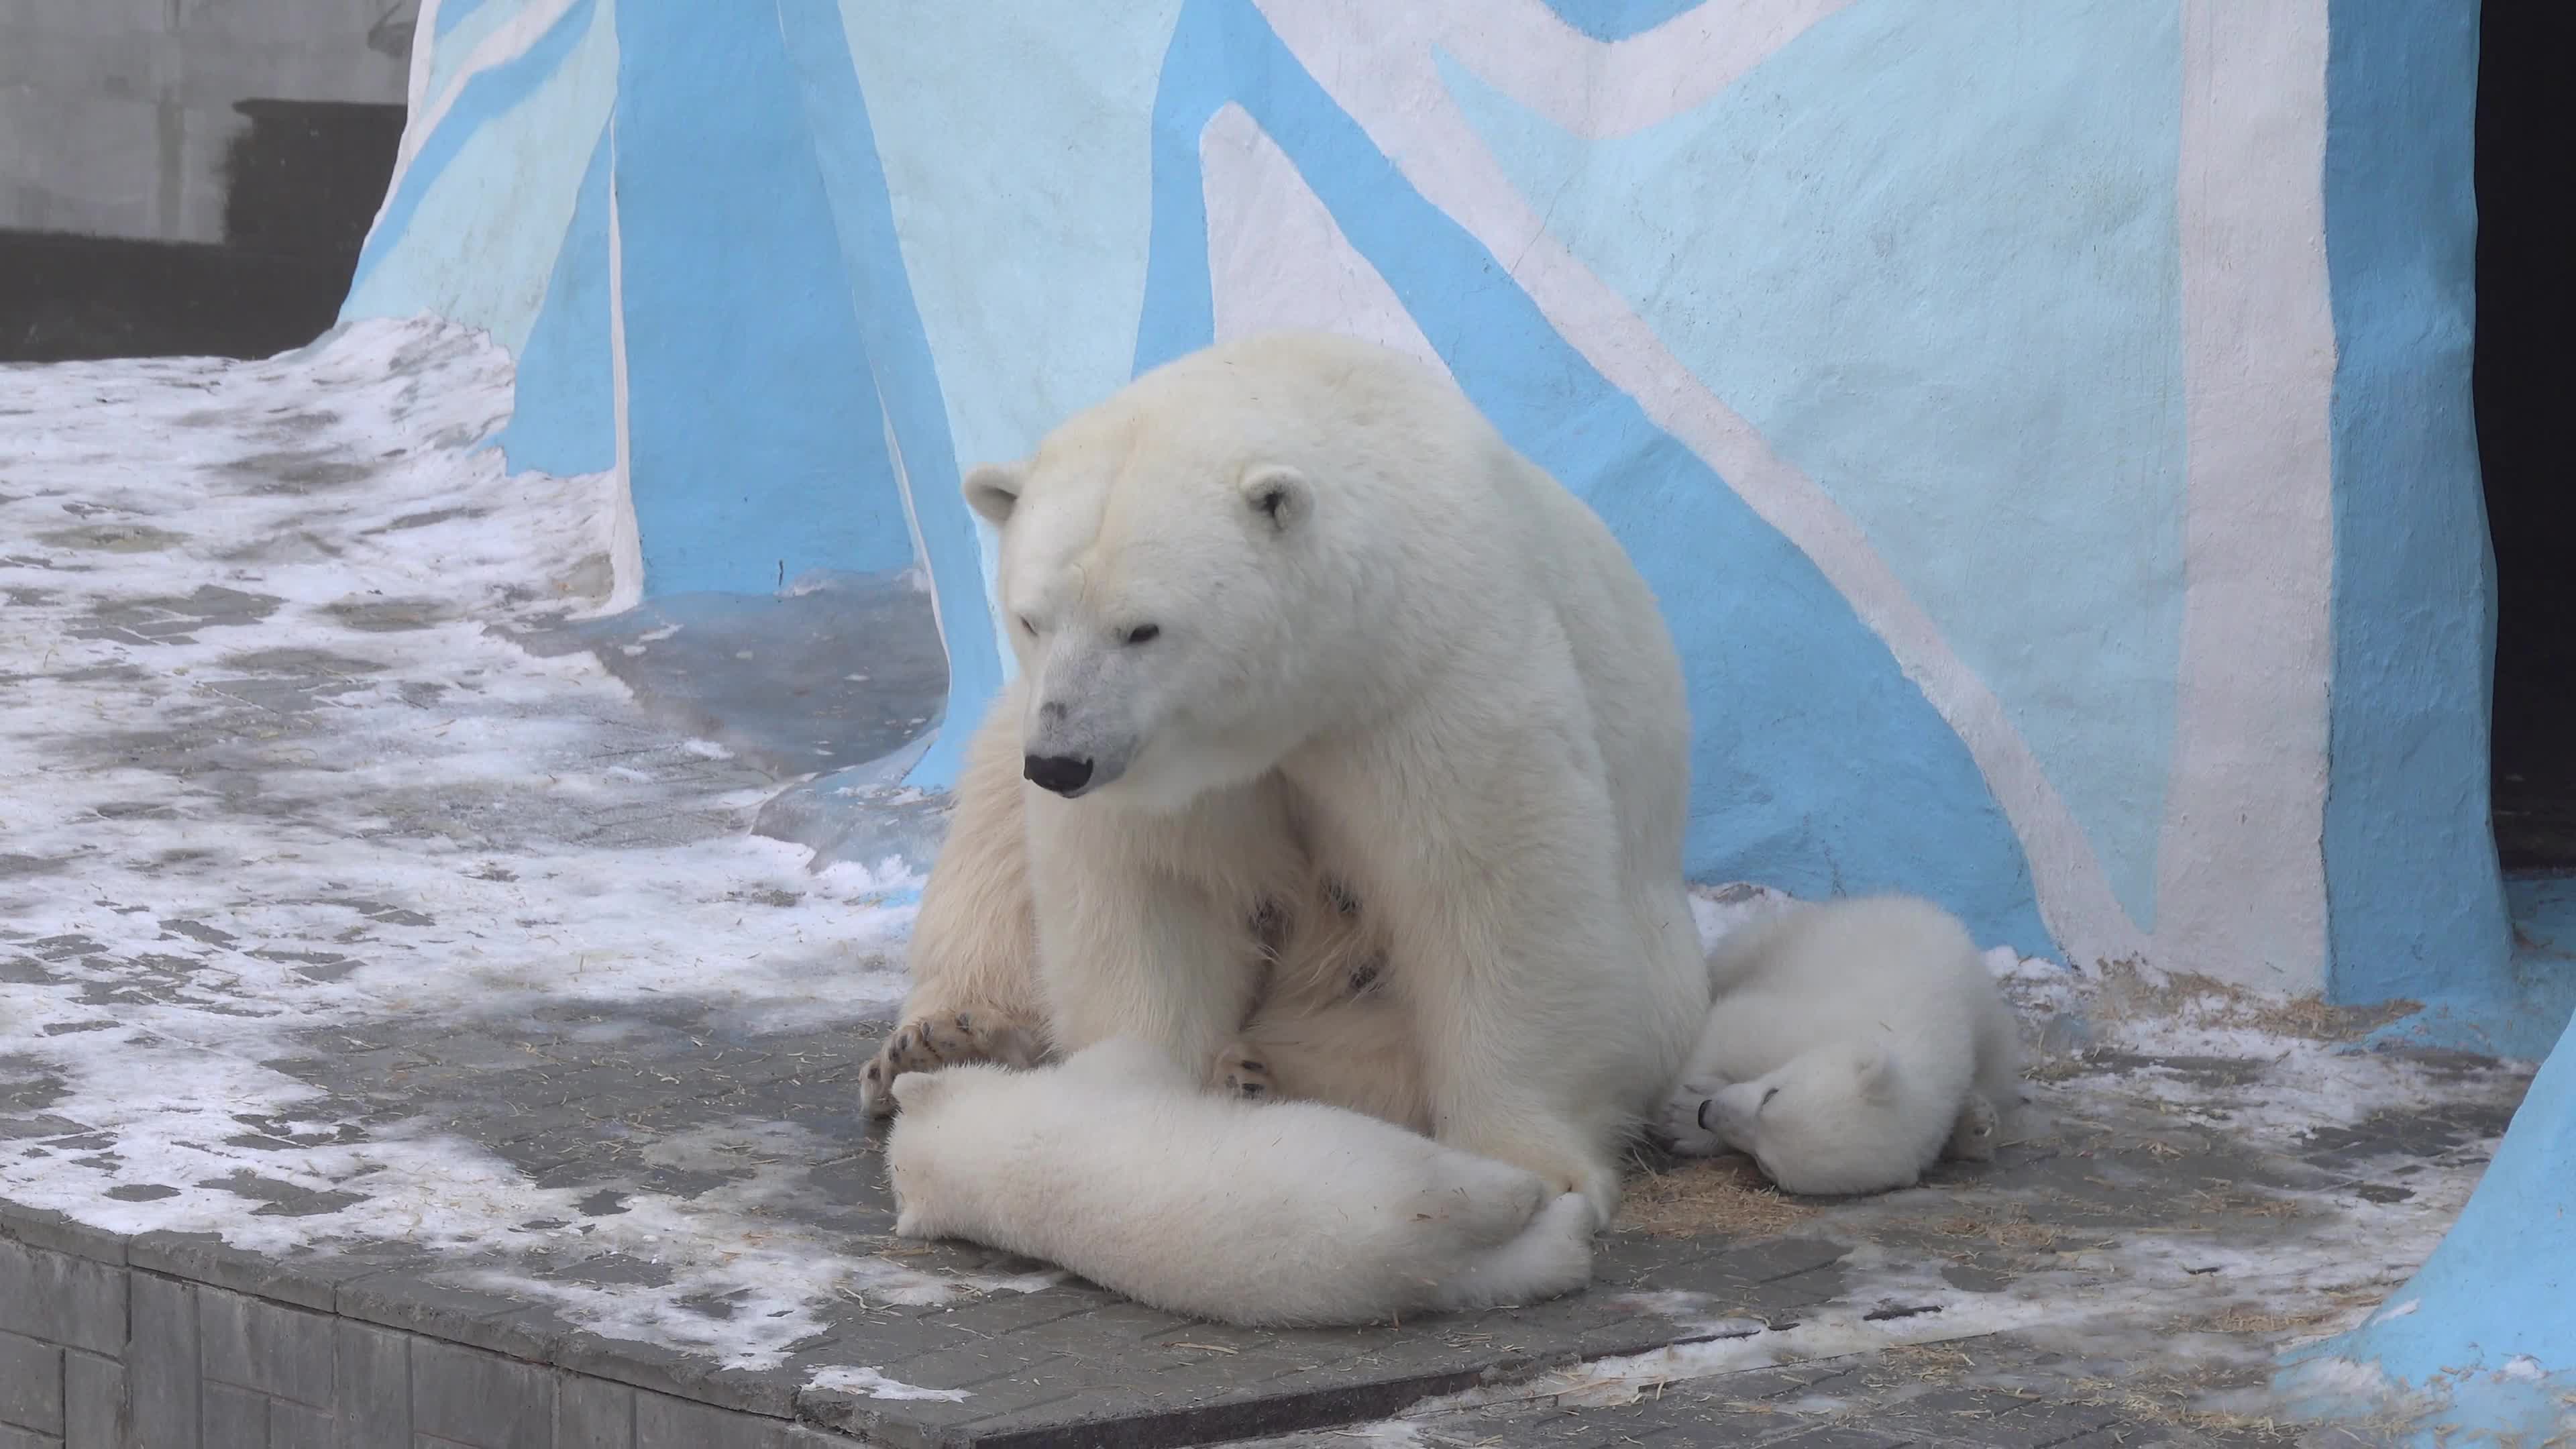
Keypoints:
pixel 97 1352
pixel 2044 426
pixel 116 115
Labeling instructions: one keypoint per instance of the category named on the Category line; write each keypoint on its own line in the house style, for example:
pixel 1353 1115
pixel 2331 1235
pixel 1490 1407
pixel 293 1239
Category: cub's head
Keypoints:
pixel 933 1153
pixel 1829 1122
pixel 1161 581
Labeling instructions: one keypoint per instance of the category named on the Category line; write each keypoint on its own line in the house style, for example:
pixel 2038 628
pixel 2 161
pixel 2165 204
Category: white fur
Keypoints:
pixel 1391 651
pixel 1118 1165
pixel 1850 1044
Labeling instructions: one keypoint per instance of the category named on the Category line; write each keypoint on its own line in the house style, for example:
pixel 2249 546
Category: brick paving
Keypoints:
pixel 383 1334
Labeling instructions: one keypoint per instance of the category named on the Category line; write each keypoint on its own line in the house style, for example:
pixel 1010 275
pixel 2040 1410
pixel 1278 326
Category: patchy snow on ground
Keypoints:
pixel 869 1383
pixel 271 763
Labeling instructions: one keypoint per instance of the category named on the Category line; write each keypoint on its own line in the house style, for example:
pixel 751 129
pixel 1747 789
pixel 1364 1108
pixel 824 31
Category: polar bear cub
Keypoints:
pixel 1850 1045
pixel 1119 1165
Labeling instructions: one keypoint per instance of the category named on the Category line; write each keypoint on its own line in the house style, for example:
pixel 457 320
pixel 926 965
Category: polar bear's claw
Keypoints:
pixel 945 1040
pixel 1972 1137
pixel 1240 1075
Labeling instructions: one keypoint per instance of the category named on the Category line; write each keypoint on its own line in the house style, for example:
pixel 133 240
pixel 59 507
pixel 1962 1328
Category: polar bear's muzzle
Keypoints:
pixel 1066 775
pixel 1073 762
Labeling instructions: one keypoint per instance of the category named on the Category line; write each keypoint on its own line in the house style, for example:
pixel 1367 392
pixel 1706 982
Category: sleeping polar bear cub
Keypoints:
pixel 1119 1165
pixel 1851 1044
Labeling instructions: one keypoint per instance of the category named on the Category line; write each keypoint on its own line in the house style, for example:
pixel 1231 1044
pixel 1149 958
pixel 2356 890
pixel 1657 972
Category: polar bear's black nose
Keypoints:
pixel 1064 774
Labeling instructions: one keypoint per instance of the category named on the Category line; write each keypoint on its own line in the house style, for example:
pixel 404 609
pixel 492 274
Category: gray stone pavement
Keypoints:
pixel 404 1038
pixel 304 1337
pixel 1949 1397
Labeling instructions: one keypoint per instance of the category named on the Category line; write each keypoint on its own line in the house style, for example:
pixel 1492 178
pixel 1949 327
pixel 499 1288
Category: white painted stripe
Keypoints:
pixel 424 50
pixel 507 42
pixel 1394 92
pixel 424 44
pixel 912 522
pixel 626 537
pixel 1276 258
pixel 2240 871
pixel 1598 89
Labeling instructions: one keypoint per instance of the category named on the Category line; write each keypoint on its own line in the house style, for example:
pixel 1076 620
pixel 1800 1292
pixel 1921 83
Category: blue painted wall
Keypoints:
pixel 1911 355
pixel 839 249
pixel 484 99
pixel 2415 899
pixel 1820 768
pixel 906 401
pixel 565 416
pixel 751 407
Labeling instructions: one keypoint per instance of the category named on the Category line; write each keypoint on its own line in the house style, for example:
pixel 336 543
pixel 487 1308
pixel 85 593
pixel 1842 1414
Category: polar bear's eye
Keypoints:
pixel 1766 1099
pixel 1026 625
pixel 1144 633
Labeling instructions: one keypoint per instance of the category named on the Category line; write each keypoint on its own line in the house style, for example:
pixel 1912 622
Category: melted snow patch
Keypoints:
pixel 875 1385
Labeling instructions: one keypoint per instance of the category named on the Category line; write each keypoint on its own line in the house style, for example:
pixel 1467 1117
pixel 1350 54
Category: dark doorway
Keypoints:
pixel 2526 121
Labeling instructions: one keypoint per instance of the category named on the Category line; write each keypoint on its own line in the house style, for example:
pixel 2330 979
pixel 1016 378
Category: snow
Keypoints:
pixel 423 814
pixel 875 1385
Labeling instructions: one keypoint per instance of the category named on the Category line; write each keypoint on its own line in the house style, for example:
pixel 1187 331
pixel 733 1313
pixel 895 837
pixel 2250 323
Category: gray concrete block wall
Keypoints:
pixel 115 114
pixel 104 1355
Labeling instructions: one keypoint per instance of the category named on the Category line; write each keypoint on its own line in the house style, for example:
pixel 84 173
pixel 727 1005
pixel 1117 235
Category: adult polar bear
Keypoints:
pixel 1289 610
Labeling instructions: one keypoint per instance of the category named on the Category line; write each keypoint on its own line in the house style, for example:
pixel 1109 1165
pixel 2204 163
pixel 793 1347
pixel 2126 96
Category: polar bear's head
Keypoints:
pixel 1168 588
pixel 1830 1121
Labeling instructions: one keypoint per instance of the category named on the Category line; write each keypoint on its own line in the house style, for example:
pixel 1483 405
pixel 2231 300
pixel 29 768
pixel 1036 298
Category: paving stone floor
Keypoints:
pixel 403 1033
pixel 1034 1361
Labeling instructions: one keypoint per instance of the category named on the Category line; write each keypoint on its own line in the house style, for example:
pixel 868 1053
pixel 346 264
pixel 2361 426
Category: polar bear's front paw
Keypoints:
pixel 1681 1127
pixel 946 1040
pixel 1241 1074
pixel 1973 1137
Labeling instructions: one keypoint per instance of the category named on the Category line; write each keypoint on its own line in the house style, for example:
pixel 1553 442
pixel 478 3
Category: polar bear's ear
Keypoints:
pixel 1874 1071
pixel 1278 494
pixel 993 489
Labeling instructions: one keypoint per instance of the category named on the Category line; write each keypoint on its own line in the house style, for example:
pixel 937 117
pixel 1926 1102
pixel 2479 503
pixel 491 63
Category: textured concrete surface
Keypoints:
pixel 405 1039
pixel 1919 1398
pixel 174 1330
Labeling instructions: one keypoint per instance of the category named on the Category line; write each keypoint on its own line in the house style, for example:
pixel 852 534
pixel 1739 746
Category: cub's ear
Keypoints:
pixel 916 1090
pixel 1872 1068
pixel 1279 495
pixel 993 489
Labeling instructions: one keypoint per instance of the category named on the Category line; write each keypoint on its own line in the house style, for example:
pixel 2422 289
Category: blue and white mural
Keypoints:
pixel 1998 397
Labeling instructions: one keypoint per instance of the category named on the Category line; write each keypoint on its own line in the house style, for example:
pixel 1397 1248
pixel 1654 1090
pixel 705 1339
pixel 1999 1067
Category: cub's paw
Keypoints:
pixel 1680 1127
pixel 1596 1182
pixel 1241 1074
pixel 929 1043
pixel 1973 1137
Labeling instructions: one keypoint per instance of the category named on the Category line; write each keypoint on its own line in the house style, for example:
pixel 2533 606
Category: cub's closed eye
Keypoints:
pixel 1144 633
pixel 1031 629
pixel 1766 1098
